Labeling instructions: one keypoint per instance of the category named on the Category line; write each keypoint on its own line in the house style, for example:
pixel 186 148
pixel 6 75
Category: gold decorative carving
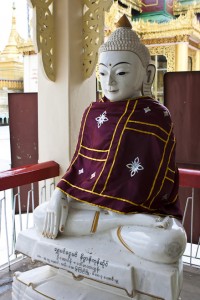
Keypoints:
pixel 179 8
pixel 168 51
pixel 25 47
pixel 131 4
pixel 182 38
pixel 93 32
pixel 194 44
pixel 161 38
pixel 184 25
pixel 116 12
pixel 111 18
pixel 45 34
pixel 167 40
pixel 12 84
pixel 185 28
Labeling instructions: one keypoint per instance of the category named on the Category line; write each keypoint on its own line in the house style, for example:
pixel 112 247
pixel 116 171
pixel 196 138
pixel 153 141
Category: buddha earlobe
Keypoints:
pixel 148 80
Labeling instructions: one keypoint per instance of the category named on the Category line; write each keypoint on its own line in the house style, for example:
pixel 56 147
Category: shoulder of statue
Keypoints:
pixel 100 100
pixel 103 100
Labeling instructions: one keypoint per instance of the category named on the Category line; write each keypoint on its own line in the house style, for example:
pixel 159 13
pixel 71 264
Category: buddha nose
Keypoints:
pixel 111 80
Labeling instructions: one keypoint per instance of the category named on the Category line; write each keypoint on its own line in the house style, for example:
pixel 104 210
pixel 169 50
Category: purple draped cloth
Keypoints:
pixel 125 159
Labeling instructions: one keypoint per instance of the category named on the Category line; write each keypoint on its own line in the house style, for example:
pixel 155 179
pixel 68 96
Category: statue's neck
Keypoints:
pixel 135 95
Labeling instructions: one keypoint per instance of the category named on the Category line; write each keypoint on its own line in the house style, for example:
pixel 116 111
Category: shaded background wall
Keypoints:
pixel 181 94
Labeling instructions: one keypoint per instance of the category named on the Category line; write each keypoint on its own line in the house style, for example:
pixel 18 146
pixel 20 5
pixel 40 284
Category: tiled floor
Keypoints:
pixel 6 276
pixel 190 290
pixel 191 284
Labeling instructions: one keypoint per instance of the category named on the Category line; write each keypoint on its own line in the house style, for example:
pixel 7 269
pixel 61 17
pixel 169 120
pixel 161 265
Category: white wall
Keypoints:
pixel 30 73
pixel 61 103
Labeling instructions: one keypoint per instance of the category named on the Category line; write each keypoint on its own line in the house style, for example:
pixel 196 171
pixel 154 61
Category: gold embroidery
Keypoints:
pixel 81 136
pixel 146 207
pixel 107 208
pixel 171 170
pixel 121 239
pixel 91 149
pixel 161 162
pixel 95 222
pixel 96 205
pixel 146 132
pixel 100 174
pixel 169 179
pixel 96 159
pixel 85 123
pixel 149 124
pixel 92 192
pixel 119 145
pixel 165 173
pixel 112 142
pixel 170 173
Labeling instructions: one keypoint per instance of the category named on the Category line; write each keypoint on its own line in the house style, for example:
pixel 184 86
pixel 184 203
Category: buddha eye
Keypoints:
pixel 121 73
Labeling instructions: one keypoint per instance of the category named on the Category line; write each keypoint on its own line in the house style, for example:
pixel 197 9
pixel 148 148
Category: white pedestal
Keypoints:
pixel 51 283
pixel 102 266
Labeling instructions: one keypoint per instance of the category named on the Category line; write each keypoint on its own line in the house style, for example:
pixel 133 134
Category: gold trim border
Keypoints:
pixel 121 239
pixel 95 222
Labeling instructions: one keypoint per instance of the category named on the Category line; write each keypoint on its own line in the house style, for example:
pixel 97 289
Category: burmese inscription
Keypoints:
pixel 82 264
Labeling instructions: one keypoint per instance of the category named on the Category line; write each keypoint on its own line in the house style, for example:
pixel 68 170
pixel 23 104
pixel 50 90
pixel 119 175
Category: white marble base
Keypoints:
pixel 51 283
pixel 97 259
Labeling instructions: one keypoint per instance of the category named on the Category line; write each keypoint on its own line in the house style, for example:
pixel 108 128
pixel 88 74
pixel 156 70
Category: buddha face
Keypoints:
pixel 121 75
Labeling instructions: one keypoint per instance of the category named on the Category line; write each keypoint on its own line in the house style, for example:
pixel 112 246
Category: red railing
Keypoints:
pixel 42 171
pixel 11 223
pixel 28 174
pixel 191 178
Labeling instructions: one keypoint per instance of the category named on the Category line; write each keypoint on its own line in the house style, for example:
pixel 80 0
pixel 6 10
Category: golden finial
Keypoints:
pixel 123 22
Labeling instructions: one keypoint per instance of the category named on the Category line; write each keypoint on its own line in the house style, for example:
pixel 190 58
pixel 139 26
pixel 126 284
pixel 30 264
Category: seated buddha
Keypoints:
pixel 123 176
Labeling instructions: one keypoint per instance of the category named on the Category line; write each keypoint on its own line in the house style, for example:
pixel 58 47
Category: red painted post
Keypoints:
pixel 28 174
pixel 189 178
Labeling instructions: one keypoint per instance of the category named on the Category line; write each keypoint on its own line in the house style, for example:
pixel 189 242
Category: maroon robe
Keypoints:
pixel 125 159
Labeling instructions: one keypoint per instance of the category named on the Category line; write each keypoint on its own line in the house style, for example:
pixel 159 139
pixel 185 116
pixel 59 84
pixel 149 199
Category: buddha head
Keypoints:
pixel 124 64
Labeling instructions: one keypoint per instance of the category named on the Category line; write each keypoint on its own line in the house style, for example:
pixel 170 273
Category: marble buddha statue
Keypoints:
pixel 123 176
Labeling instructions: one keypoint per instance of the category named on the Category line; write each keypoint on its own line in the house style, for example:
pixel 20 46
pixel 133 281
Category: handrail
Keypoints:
pixel 17 177
pixel 28 174
pixel 36 172
pixel 189 178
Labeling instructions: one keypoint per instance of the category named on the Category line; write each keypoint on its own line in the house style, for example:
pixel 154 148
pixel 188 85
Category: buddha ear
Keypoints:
pixel 148 80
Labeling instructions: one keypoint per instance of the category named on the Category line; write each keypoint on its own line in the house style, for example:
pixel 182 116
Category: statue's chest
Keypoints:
pixel 102 127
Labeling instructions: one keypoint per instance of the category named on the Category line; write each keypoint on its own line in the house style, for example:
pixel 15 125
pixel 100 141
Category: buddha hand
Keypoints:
pixel 56 214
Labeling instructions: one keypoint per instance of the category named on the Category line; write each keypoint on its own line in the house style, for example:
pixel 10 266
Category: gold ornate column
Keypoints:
pixel 93 32
pixel 182 54
pixel 45 34
pixel 168 51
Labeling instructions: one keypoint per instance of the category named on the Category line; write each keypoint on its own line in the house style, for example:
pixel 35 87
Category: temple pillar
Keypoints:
pixel 81 91
pixel 61 103
pixel 197 61
pixel 182 56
